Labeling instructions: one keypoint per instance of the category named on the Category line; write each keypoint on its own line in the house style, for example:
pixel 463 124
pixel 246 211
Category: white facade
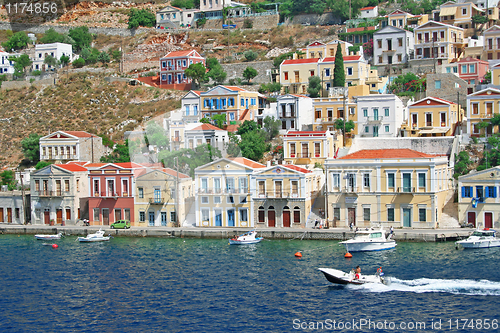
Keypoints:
pixel 6 66
pixel 368 12
pixel 191 107
pixel 56 50
pixel 196 134
pixel 176 16
pixel 379 115
pixel 392 45
pixel 294 112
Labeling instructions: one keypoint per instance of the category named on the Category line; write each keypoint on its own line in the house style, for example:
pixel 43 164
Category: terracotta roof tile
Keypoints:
pixel 174 173
pixel 72 167
pixel 385 153
pixel 300 61
pixel 247 162
pixel 296 168
pixel 360 29
pixel 206 127
pixel 80 134
pixel 346 58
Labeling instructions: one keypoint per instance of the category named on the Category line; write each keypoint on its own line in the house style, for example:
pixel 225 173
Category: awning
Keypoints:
pixel 435 130
pixel 447 11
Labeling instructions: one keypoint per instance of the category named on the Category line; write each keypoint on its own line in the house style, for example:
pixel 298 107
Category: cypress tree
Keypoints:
pixel 338 71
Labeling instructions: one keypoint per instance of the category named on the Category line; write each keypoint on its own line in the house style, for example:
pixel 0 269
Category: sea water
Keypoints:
pixel 197 285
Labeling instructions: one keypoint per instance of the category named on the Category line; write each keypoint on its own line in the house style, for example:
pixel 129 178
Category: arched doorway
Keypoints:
pixel 286 217
pixel 271 217
pixel 262 215
pixel 296 215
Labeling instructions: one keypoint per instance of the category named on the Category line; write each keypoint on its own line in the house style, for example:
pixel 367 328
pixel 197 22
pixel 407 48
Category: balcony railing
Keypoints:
pixel 49 193
pixel 440 40
pixel 439 55
pixel 389 51
pixel 350 189
pixel 277 195
pixel 406 189
pixel 106 194
pixel 288 115
pixel 176 139
pixel 156 201
pixel 375 119
pixel 212 190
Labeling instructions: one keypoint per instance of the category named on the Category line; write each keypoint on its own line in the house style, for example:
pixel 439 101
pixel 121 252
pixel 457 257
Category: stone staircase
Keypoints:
pixel 315 213
pixel 449 217
pixel 190 220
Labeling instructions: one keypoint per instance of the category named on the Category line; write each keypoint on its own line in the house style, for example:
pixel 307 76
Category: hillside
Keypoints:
pixel 82 101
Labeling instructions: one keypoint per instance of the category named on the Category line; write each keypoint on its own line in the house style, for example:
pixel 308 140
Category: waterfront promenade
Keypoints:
pixel 407 234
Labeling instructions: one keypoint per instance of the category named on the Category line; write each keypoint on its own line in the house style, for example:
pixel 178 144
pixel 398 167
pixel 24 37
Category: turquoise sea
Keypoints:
pixel 197 285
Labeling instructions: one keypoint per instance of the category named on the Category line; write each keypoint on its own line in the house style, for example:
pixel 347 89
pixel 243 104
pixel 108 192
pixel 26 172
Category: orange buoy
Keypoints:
pixel 298 254
pixel 55 246
pixel 347 255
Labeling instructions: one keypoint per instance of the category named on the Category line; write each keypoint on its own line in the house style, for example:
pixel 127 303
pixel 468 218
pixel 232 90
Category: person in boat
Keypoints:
pixel 357 273
pixel 392 230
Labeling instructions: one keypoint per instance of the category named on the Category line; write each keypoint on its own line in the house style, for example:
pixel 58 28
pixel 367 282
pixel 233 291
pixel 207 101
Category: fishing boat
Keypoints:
pixel 480 239
pixel 49 237
pixel 246 238
pixel 339 277
pixel 369 239
pixel 96 237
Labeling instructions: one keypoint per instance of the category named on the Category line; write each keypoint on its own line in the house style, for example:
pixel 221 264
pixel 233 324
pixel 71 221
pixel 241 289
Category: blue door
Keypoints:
pixel 163 219
pixel 157 195
pixel 151 218
pixel 407 217
pixel 169 78
pixel 218 218
pixel 179 78
pixel 230 218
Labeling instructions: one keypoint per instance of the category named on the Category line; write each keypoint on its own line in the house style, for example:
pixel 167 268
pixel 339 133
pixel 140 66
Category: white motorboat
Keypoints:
pixel 49 237
pixel 97 237
pixel 246 238
pixel 480 239
pixel 369 239
pixel 340 277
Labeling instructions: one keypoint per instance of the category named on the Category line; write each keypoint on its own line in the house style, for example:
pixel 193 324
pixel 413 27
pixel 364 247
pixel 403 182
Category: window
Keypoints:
pixel 366 180
pixel 141 192
pixel 365 113
pixel 390 180
pixel 311 73
pixel 390 214
pixel 242 102
pixel 336 213
pixel 367 129
pixel 422 214
pixel 386 112
pixel 66 185
pixel 243 199
pixel 464 69
pixel 379 43
pixel 205 213
pixel 286 75
pixel 366 214
pixel 491 192
pixel 243 215
pixel 349 71
pixel 464 11
pixel 37 185
pixel 479 192
pixel 437 84
pixel 173 217
pixel 475 108
pixel 230 199
pixel 472 68
pixel 204 200
pixel 96 214
pixel 327 72
pixel 336 180
pixel 387 128
pixel 448 69
pixel 400 41
pixel 217 200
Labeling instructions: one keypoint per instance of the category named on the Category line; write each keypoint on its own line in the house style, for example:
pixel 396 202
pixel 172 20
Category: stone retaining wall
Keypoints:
pixel 236 70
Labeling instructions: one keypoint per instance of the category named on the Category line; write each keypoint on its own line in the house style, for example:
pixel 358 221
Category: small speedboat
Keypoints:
pixel 97 237
pixel 339 277
pixel 480 239
pixel 49 237
pixel 246 238
pixel 369 239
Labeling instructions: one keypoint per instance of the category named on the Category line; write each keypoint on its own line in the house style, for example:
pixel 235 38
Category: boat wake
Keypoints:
pixel 457 287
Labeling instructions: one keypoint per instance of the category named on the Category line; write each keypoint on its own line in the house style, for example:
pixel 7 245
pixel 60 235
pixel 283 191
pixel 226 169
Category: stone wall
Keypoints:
pixel 8 85
pixel 258 22
pixel 38 29
pixel 433 145
pixel 451 86
pixel 315 19
pixel 236 70
pixel 86 149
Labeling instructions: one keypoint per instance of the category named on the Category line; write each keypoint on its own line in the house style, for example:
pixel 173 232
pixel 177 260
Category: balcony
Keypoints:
pixel 210 190
pixel 107 194
pixel 350 189
pixel 277 195
pixel 389 51
pixel 47 193
pixel 374 120
pixel 176 139
pixel 406 189
pixel 219 191
pixel 440 55
pixel 288 115
pixel 295 80
pixel 156 201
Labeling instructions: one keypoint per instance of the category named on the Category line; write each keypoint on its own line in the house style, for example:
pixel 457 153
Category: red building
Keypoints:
pixel 472 70
pixel 111 194
pixel 172 67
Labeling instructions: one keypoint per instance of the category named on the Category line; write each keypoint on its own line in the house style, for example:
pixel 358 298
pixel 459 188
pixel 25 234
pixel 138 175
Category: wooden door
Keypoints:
pixel 68 214
pixel 1 214
pixel 471 218
pixel 105 216
pixel 296 216
pixel 286 219
pixel 351 216
pixel 271 215
pixel 488 220
pixel 59 214
pixel 9 215
pixel 46 217
pixel 262 216
pixel 127 214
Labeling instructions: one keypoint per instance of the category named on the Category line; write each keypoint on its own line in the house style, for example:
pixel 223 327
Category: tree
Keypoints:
pixel 250 55
pixel 349 126
pixel 52 36
pixel 81 36
pixel 270 87
pixel 188 4
pixel 116 54
pixel 8 178
pixel 64 61
pixel 247 126
pixel 279 59
pixel 103 57
pixel 217 74
pixel 42 164
pixel 20 64
pixel 18 41
pixel 271 127
pixel 31 147
pixel 249 73
pixel 253 144
pixel 157 136
pixel 51 61
pixel 196 72
pixel 487 78
pixel 79 63
pixel 338 71
pixel 90 55
pixel 189 159
pixel 314 87
pixel 120 154
pixel 219 120
pixel 462 164
pixel 368 48
pixel 141 17
pixel 212 63
pixel 205 120
pixel 232 147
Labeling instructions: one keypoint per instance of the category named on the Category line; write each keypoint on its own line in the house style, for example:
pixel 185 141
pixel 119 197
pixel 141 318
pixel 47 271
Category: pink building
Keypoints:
pixel 111 192
pixel 172 67
pixel 472 70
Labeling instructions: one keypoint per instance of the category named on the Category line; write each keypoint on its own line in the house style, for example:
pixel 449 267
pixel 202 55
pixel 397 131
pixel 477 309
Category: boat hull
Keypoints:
pixel 339 277
pixel 90 240
pixel 479 244
pixel 47 237
pixel 245 242
pixel 368 246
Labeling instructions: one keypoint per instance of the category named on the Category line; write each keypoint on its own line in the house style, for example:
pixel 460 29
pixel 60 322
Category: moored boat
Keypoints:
pixel 96 237
pixel 246 238
pixel 480 239
pixel 339 277
pixel 49 237
pixel 369 239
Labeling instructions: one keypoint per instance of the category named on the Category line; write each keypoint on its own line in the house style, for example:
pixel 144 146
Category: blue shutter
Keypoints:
pixel 463 192
pixel 494 194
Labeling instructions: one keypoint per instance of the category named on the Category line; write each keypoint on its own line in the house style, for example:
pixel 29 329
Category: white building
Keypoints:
pixel 197 134
pixel 56 50
pixel 295 112
pixel 191 107
pixel 368 12
pixel 379 115
pixel 6 66
pixel 173 17
pixel 392 45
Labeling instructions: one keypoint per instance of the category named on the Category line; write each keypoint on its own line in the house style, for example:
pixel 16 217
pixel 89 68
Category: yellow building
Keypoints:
pixel 404 20
pixel 159 195
pixel 376 83
pixel 356 70
pixel 432 116
pixel 478 195
pixel 295 73
pixel 491 47
pixel 322 50
pixel 309 147
pixel 482 106
pixel 436 40
pixel 460 15
pixel 391 187
pixel 284 194
pixel 495 74
pixel 223 195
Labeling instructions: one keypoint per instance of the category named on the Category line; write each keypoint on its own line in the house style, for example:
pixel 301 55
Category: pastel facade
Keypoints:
pixel 13 209
pixel 295 73
pixel 472 70
pixel 482 106
pixel 283 195
pixel 392 187
pixel 56 50
pixel 173 17
pixel 322 50
pixel 223 194
pixel 328 109
pixel 6 65
pixel 368 12
pixel 65 146
pixel 379 115
pixel 436 40
pixel 356 70
pixel 392 45
pixel 198 134
pixel 479 198
pixel 459 14
pixel 433 116
pixel 161 197
pixel 57 192
pixel 191 107
pixel 403 20
pixel 491 48
pixel 294 111
pixel 309 147
pixel 172 67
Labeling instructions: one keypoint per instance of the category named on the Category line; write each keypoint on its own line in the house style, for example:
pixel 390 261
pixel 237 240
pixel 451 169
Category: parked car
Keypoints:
pixel 121 224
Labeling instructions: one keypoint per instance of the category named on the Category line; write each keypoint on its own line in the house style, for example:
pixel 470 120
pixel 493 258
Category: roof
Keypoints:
pixel 361 29
pixel 247 162
pixel 80 134
pixel 174 54
pixel 206 127
pixel 95 165
pixel 303 96
pixel 233 88
pixel 345 58
pixel 300 61
pixel 296 168
pixel 295 133
pixel 174 173
pixel 71 167
pixel 367 8
pixel 385 153
pixel 128 165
